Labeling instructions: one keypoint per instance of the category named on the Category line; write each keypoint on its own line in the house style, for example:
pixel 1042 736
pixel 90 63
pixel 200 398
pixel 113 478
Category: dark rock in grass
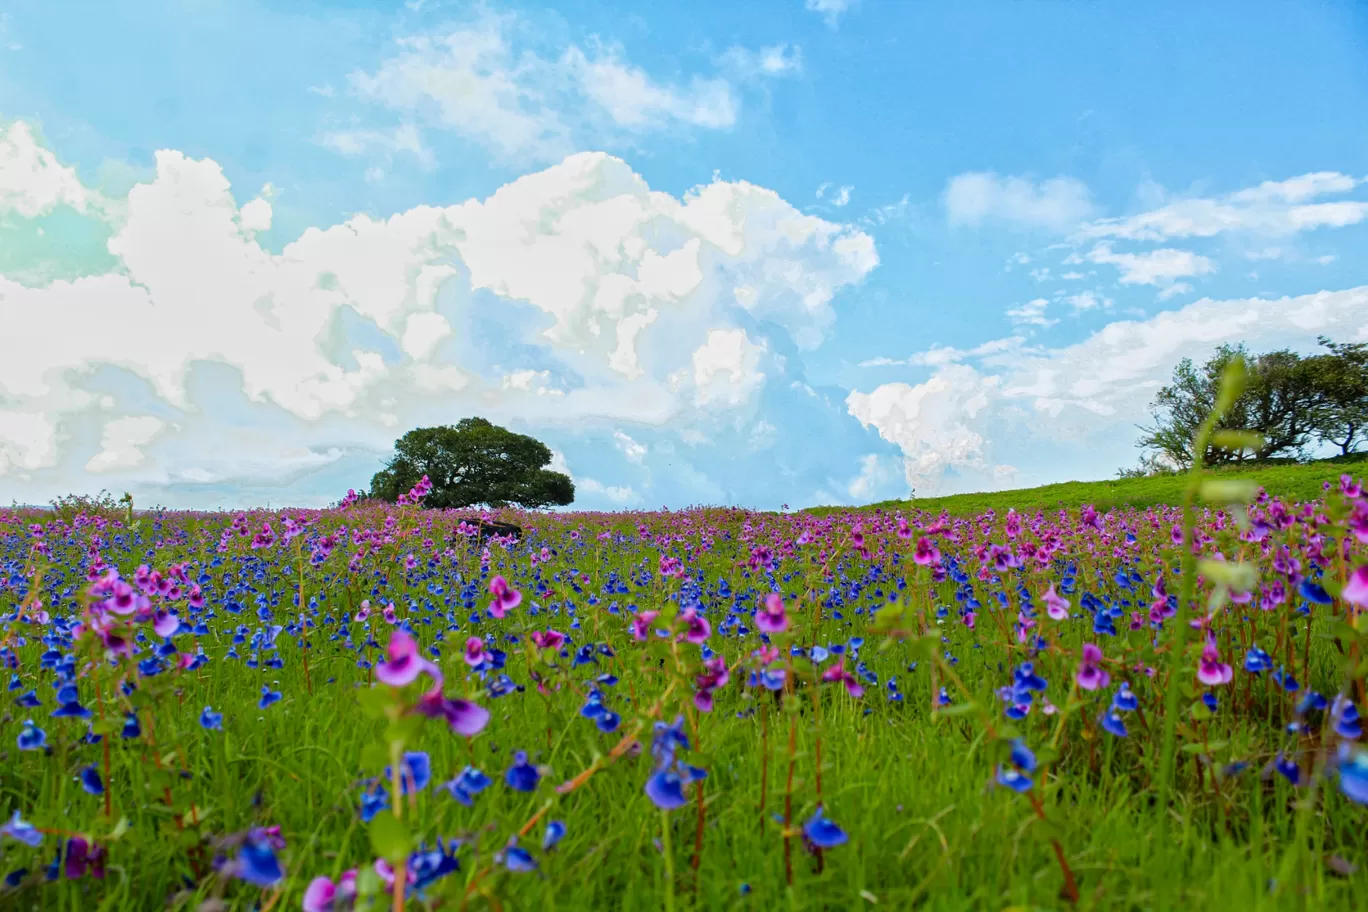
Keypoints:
pixel 488 529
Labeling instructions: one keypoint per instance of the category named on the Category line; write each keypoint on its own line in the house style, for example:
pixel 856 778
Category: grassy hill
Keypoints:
pixel 1289 481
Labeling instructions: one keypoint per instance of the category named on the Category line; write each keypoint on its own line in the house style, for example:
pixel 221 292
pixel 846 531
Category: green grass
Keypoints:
pixel 1301 482
pixel 912 790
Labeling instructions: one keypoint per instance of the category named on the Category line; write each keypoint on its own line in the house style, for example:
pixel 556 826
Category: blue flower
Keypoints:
pixel 32 737
pixel 521 776
pixel 91 781
pixel 822 833
pixel 467 785
pixel 428 866
pixel 665 788
pixel 257 863
pixel 1346 716
pixel 555 832
pixel 21 831
pixel 1014 779
pixel 1285 680
pixel 211 720
pixel 1289 769
pixel 1352 766
pixel 416 770
pixel 1256 660
pixel 1112 722
pixel 1022 757
pixel 1125 699
pixel 1313 592
pixel 373 802
pixel 268 697
pixel 131 727
pixel 516 859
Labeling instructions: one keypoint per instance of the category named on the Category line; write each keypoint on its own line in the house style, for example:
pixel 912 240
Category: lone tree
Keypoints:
pixel 1290 401
pixel 475 463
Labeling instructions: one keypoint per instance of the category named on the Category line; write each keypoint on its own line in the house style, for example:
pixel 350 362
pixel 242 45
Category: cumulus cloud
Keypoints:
pixel 604 292
pixel 1032 313
pixel 967 415
pixel 32 181
pixel 1057 204
pixel 122 443
pixel 1154 267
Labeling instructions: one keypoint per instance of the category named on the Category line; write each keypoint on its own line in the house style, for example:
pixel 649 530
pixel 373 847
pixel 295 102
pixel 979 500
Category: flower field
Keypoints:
pixel 378 707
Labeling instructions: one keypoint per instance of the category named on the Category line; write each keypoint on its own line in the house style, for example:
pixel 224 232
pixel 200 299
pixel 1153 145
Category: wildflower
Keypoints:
pixel 415 772
pixel 506 598
pixel 714 675
pixel 322 895
pixel 91 781
pixel 1212 671
pixel 464 717
pixel 771 617
pixel 1015 773
pixel 1090 675
pixel 1056 606
pixel 820 833
pixel 1256 660
pixel 474 653
pixel 82 857
pixel 256 862
pixel 641 624
pixel 1125 699
pixel 516 858
pixel 1352 766
pixel 550 639
pixel 696 627
pixel 926 553
pixel 837 672
pixel 521 776
pixel 404 662
pixel 1356 588
pixel 211 720
pixel 1346 716
pixel 1112 722
pixel 466 786
pixel 373 802
pixel 32 737
pixel 555 832
pixel 18 829
pixel 268 697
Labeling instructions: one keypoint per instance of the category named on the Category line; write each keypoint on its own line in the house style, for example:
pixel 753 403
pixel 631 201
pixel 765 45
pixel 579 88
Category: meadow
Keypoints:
pixel 373 707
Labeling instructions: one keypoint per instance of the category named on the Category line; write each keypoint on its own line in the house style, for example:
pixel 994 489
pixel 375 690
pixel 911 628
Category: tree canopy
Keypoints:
pixel 1291 400
pixel 473 463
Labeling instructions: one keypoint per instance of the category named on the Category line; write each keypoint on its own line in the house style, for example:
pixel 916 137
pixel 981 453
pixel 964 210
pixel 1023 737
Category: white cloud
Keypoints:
pixel 1087 300
pixel 32 181
pixel 830 10
pixel 478 80
pixel 618 495
pixel 1032 313
pixel 1057 204
pixel 122 443
pixel 1178 288
pixel 967 417
pixel 875 475
pixel 1154 267
pixel 726 368
pixel 633 451
pixel 1272 209
pixel 610 288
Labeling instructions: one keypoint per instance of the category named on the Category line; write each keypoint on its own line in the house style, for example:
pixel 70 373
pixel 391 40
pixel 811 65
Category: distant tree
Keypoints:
pixel 474 463
pixel 1341 415
pixel 1280 403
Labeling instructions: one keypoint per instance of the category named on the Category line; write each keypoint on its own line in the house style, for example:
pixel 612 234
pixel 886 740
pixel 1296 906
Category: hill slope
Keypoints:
pixel 1292 482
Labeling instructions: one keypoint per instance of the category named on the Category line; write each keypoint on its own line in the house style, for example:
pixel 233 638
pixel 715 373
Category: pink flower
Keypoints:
pixel 714 675
pixel 474 652
pixel 165 623
pixel 1356 588
pixel 1090 675
pixel 464 717
pixel 837 672
pixel 770 617
pixel 405 662
pixel 551 639
pixel 322 895
pixel 696 627
pixel 1056 606
pixel 641 624
pixel 1213 671
pixel 506 598
pixel 926 553
pixel 363 612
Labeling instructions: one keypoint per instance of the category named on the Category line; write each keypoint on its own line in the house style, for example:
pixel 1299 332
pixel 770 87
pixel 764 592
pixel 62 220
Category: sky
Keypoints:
pixel 782 252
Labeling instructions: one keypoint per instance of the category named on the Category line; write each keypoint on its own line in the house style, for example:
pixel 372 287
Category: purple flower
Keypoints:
pixel 474 652
pixel 506 598
pixel 771 617
pixel 1356 587
pixel 838 672
pixel 404 662
pixel 1090 675
pixel 714 675
pixel 1212 671
pixel 696 627
pixel 1056 606
pixel 464 717
pixel 322 895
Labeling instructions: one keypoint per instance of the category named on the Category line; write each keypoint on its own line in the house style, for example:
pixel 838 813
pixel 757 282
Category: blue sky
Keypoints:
pixel 799 251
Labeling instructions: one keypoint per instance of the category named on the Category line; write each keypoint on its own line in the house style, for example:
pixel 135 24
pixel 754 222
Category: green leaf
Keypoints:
pixel 1237 441
pixel 1236 575
pixel 1228 490
pixel 1199 711
pixel 389 837
pixel 375 756
pixel 957 709
pixel 404 729
pixel 376 701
